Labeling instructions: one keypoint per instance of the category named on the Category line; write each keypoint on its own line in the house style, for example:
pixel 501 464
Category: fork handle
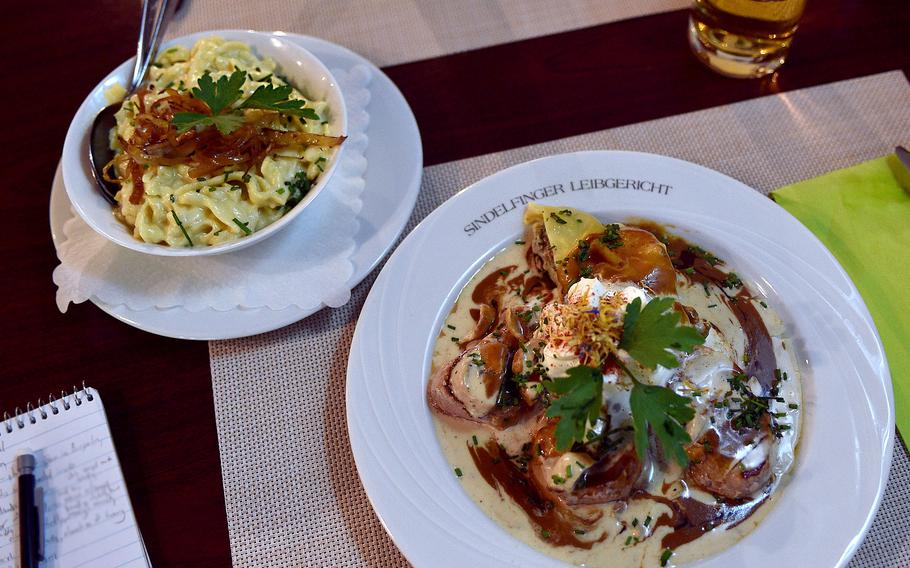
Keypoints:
pixel 156 15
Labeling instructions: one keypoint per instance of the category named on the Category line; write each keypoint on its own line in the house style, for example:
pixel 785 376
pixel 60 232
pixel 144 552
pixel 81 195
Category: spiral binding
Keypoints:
pixel 18 420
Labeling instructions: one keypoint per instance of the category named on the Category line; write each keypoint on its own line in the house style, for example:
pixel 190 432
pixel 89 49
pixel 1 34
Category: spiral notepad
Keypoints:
pixel 87 517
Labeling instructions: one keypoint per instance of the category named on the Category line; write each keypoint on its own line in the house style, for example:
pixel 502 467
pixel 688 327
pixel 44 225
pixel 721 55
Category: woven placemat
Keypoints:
pixel 291 488
pixel 394 31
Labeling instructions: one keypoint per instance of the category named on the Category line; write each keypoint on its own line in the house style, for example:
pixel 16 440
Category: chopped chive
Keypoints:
pixel 182 228
pixel 665 556
pixel 732 281
pixel 458 472
pixel 545 533
pixel 647 520
pixel 519 242
pixel 245 227
pixel 454 339
pixel 474 439
pixel 612 236
pixel 793 406
pixel 579 531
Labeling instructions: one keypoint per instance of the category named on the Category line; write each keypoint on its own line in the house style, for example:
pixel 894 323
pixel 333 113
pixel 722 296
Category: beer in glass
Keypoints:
pixel 743 38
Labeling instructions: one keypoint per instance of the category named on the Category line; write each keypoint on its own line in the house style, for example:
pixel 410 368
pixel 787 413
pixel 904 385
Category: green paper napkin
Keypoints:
pixel 862 215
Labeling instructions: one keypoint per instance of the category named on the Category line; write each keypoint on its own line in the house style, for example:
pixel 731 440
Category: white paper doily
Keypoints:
pixel 307 264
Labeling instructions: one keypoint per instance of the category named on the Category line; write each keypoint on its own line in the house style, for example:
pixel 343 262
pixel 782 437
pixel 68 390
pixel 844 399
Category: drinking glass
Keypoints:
pixel 743 38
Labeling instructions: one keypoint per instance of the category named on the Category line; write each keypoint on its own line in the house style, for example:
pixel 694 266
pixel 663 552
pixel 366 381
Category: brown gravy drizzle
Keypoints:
pixel 689 518
pixel 640 259
pixel 759 347
pixel 555 524
pixel 493 286
pixel 489 290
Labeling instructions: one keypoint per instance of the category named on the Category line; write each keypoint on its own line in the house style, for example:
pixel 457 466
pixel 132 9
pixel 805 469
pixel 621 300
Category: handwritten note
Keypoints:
pixel 88 519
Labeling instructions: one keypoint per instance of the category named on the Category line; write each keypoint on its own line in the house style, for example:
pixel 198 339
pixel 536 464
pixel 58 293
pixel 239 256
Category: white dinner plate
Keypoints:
pixel 848 411
pixel 394 169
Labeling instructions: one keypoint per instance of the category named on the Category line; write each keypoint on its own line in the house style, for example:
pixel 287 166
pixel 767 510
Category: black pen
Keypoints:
pixel 29 544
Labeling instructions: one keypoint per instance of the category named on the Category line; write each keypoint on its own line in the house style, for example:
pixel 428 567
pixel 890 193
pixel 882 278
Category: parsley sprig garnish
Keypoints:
pixel 580 400
pixel 648 334
pixel 220 97
pixel 667 414
pixel 268 97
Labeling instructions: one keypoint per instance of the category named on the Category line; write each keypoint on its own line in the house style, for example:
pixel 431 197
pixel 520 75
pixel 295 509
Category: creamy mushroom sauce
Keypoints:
pixel 665 510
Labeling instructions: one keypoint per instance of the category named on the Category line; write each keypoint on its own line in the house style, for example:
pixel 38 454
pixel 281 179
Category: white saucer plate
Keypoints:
pixel 848 412
pixel 394 170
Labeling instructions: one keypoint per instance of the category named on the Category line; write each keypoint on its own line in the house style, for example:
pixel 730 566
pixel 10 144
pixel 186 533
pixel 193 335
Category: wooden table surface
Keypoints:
pixel 157 391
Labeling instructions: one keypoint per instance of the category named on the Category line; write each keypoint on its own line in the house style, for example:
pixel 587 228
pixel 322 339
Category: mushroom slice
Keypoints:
pixel 469 387
pixel 575 478
pixel 484 322
pixel 610 478
pixel 542 253
pixel 737 476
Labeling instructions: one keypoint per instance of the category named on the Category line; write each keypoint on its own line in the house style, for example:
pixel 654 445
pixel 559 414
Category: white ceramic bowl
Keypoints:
pixel 305 72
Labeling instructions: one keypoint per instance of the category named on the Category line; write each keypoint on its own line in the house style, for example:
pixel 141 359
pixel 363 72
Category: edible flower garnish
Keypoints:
pixel 647 336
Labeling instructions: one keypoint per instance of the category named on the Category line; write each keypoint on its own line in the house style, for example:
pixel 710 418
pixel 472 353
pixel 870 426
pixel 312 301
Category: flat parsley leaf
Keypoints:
pixel 648 333
pixel 267 97
pixel 225 123
pixel 667 413
pixel 647 336
pixel 218 96
pixel 580 401
pixel 222 94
